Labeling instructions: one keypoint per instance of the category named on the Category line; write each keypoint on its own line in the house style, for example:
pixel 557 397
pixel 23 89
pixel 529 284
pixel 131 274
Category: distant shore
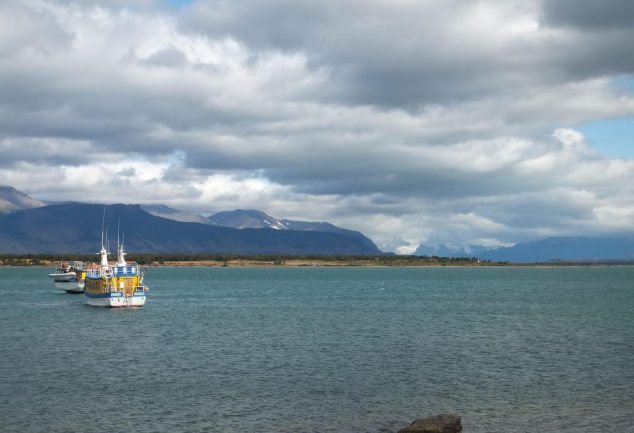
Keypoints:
pixel 231 261
pixel 257 261
pixel 296 263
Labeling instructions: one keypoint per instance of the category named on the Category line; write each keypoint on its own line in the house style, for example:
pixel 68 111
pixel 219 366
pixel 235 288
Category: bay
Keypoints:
pixel 322 350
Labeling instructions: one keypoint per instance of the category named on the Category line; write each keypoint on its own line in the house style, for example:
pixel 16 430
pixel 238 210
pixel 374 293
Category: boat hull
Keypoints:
pixel 70 286
pixel 116 299
pixel 61 277
pixel 69 281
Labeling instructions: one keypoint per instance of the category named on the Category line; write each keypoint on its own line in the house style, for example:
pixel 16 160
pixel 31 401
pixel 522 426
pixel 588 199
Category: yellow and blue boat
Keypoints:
pixel 115 285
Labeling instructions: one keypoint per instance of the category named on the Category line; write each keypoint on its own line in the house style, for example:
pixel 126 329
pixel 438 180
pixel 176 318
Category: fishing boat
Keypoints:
pixel 70 277
pixel 115 285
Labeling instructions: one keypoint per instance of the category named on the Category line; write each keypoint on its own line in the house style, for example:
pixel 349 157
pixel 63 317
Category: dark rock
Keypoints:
pixel 445 423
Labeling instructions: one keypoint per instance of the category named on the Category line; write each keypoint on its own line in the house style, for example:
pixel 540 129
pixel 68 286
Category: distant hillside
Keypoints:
pixel 325 227
pixel 564 248
pixel 11 200
pixel 240 219
pixel 76 228
pixel 163 211
pixel 246 219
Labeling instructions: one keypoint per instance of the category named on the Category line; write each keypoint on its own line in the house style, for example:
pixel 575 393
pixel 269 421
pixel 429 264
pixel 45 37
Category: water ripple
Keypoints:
pixel 322 350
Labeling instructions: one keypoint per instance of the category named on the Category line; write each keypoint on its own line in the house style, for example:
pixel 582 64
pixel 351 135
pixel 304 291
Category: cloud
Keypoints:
pixel 380 52
pixel 31 29
pixel 440 121
pixel 410 53
pixel 167 57
pixel 607 14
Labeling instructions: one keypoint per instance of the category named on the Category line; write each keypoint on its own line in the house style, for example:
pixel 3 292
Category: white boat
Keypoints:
pixel 70 277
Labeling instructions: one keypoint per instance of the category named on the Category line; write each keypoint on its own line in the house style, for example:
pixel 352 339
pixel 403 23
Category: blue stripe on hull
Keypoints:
pixel 112 295
pixel 104 295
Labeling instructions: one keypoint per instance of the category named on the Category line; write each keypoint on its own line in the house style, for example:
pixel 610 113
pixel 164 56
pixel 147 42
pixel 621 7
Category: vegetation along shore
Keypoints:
pixel 229 260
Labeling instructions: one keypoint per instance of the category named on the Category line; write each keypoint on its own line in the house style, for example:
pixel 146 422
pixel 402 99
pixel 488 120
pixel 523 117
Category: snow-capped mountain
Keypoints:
pixel 246 219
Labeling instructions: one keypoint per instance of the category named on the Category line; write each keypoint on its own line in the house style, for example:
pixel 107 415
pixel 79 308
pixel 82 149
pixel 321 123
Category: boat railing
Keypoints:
pixel 112 271
pixel 99 273
pixel 125 271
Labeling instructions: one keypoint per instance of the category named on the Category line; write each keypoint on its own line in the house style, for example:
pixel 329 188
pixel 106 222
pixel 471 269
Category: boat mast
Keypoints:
pixel 103 253
pixel 120 251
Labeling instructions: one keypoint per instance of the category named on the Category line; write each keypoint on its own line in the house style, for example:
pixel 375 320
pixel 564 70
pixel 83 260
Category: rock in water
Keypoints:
pixel 445 423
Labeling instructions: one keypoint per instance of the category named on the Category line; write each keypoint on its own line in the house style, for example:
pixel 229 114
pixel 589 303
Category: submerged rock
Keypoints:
pixel 445 423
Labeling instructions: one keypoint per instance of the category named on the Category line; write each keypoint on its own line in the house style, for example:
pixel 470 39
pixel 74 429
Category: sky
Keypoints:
pixel 417 122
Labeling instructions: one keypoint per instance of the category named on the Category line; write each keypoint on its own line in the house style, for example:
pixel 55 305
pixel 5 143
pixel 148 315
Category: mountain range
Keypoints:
pixel 562 248
pixel 254 219
pixel 569 248
pixel 31 226
pixel 76 228
pixel 163 211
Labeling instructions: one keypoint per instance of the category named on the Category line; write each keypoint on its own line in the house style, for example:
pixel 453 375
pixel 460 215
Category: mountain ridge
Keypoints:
pixel 246 219
pixel 76 228
pixel 12 200
pixel 163 211
pixel 572 248
pixel 249 218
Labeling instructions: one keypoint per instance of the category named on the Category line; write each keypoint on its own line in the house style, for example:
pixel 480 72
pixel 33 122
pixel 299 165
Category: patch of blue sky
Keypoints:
pixel 612 137
pixel 178 4
pixel 624 82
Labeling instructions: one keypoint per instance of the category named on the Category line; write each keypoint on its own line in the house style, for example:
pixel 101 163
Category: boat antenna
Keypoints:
pixel 103 223
pixel 103 253
pixel 118 227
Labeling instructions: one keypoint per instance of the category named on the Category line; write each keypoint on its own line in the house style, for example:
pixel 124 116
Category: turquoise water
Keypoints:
pixel 322 350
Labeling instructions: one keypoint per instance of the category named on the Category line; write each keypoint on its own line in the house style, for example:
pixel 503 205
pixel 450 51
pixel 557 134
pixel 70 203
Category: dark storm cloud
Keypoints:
pixel 379 52
pixel 592 15
pixel 325 164
pixel 531 210
pixel 598 36
pixel 411 54
pixel 16 151
pixel 263 24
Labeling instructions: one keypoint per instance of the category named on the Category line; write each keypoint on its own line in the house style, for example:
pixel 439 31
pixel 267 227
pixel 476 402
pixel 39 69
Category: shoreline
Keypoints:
pixel 329 263
pixel 265 264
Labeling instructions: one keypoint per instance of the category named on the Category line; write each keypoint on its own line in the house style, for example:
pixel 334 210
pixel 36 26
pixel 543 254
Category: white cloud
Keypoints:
pixel 406 249
pixel 571 140
pixel 447 122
